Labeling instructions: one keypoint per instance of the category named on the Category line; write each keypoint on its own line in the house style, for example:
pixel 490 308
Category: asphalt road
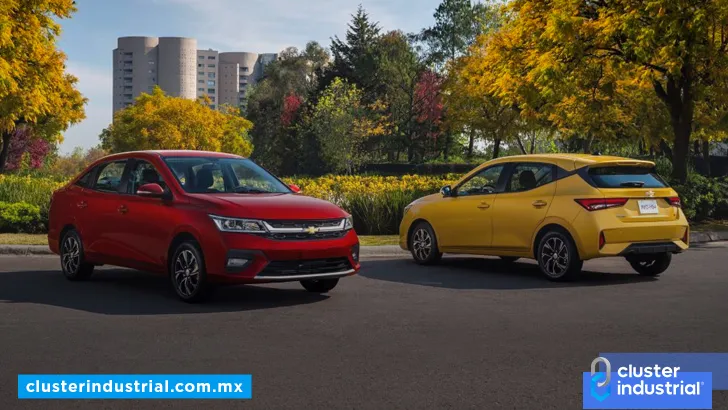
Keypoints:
pixel 471 334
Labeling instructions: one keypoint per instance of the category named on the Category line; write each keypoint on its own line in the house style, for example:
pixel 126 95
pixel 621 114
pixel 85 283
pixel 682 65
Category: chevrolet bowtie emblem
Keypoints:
pixel 311 230
pixel 651 194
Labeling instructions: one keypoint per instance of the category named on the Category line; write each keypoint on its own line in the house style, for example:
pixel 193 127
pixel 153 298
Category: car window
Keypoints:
pixel 626 177
pixel 483 183
pixel 109 176
pixel 144 173
pixel 85 180
pixel 202 175
pixel 529 176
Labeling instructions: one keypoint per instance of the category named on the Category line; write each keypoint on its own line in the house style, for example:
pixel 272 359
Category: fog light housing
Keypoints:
pixel 237 262
pixel 686 236
pixel 602 240
pixel 355 253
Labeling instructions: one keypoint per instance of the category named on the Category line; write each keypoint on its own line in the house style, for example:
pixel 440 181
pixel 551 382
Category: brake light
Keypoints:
pixel 675 201
pixel 595 204
pixel 602 240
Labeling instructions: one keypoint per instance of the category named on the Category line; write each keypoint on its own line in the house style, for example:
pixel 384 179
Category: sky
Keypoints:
pixel 259 26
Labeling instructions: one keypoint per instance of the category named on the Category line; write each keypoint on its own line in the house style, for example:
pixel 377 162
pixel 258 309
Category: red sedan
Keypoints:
pixel 201 218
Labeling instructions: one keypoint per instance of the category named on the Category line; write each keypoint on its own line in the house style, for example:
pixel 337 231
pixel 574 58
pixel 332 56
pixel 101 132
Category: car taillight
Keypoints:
pixel 675 201
pixel 595 204
pixel 602 240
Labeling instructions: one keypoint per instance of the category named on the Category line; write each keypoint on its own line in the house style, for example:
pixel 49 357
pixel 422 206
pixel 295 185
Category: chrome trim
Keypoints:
pixel 311 276
pixel 338 228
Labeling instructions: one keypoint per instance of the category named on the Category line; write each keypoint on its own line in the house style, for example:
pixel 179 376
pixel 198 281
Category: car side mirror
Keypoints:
pixel 295 188
pixel 153 191
pixel 446 191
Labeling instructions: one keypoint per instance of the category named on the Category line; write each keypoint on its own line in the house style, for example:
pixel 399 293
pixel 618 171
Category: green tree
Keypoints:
pixel 158 121
pixel 618 48
pixel 35 91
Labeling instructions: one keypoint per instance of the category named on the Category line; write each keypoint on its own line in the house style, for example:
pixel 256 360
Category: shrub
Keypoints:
pixel 35 191
pixel 21 217
pixel 704 197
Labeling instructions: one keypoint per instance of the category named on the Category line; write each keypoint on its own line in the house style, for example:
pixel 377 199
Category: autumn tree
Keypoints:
pixel 342 123
pixel 158 121
pixel 35 92
pixel 69 165
pixel 676 49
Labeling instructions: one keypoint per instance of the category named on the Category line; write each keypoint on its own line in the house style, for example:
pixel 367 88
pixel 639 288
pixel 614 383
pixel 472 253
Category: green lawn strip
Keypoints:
pixel 23 239
pixel 377 240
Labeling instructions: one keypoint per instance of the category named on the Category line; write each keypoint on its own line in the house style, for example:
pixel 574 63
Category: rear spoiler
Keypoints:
pixel 622 163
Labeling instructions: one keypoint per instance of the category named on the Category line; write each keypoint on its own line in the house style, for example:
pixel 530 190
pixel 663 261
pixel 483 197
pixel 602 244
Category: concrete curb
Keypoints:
pixel 383 250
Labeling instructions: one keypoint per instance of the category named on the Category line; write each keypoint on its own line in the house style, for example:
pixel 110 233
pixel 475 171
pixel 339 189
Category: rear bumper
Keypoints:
pixel 647 248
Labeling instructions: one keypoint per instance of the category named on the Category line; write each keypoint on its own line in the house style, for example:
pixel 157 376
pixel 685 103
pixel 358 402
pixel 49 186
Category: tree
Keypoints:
pixel 24 145
pixel 341 123
pixel 158 121
pixel 428 114
pixel 66 166
pixel 353 58
pixel 676 48
pixel 34 90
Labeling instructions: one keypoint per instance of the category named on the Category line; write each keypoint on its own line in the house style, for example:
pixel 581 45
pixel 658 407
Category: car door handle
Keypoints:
pixel 484 206
pixel 123 209
pixel 540 204
pixel 82 204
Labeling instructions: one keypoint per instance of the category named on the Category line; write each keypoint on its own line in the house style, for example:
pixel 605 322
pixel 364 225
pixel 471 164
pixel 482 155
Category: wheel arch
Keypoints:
pixel 551 225
pixel 414 224
pixel 180 237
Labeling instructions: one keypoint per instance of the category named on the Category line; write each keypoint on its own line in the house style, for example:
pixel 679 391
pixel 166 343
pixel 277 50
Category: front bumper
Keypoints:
pixel 263 260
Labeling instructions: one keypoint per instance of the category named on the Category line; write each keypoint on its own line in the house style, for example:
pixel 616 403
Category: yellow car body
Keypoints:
pixel 597 202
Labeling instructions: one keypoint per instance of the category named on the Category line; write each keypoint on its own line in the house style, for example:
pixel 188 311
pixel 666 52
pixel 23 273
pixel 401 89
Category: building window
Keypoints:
pixel 210 57
pixel 200 65
pixel 211 91
pixel 201 57
pixel 211 83
pixel 212 106
pixel 211 66
pixel 210 75
pixel 202 90
pixel 200 73
pixel 200 81
pixel 212 98
pixel 245 69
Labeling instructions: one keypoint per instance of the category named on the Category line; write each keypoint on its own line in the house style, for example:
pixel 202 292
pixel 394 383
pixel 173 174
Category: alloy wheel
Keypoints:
pixel 555 257
pixel 422 244
pixel 186 273
pixel 71 258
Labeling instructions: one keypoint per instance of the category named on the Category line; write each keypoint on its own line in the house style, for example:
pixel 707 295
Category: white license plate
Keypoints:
pixel 648 206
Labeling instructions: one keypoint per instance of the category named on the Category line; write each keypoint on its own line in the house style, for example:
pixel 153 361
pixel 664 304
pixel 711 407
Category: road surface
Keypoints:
pixel 473 333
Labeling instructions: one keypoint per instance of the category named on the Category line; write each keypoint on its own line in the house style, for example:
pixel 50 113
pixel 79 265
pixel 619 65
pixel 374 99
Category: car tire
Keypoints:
pixel 319 285
pixel 651 265
pixel 73 258
pixel 558 257
pixel 509 259
pixel 187 273
pixel 423 244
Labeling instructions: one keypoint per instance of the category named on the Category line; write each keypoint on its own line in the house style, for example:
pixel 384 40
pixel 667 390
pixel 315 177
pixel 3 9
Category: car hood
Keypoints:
pixel 269 206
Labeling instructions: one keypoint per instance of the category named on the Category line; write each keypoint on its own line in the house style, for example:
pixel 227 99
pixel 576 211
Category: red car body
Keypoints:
pixel 141 232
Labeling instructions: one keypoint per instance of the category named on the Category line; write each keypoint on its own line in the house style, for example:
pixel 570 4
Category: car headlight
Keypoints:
pixel 225 224
pixel 349 223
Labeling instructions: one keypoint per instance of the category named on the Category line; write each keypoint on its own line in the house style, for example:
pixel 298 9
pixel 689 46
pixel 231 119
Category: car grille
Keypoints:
pixel 306 267
pixel 327 223
pixel 305 236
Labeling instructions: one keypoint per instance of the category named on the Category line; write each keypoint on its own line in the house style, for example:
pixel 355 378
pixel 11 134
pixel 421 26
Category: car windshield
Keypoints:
pixel 202 175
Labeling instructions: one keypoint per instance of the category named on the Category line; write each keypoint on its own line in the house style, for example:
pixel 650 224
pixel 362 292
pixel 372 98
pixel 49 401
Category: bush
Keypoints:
pixel 704 197
pixel 21 217
pixel 34 191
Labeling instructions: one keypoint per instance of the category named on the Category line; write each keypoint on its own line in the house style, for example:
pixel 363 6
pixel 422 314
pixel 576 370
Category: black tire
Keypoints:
pixel 558 257
pixel 187 273
pixel 650 265
pixel 73 258
pixel 319 285
pixel 509 259
pixel 423 244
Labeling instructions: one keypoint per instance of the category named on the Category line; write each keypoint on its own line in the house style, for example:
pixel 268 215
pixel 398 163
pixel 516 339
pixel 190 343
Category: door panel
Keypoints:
pixel 519 210
pixel 465 220
pixel 100 215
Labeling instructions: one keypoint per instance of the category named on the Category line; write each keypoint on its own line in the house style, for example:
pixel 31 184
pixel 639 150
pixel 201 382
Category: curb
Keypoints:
pixel 383 250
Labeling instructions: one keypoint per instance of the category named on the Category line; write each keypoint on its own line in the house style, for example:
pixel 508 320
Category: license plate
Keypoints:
pixel 648 207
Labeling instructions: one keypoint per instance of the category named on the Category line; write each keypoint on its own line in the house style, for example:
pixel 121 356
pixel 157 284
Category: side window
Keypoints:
pixel 529 176
pixel 108 178
pixel 85 180
pixel 483 183
pixel 144 173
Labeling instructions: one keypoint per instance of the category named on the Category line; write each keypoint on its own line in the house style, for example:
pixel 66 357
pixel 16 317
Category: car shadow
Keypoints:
pixel 484 273
pixel 129 292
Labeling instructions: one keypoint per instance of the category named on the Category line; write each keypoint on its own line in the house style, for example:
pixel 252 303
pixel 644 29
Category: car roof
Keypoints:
pixel 578 159
pixel 168 153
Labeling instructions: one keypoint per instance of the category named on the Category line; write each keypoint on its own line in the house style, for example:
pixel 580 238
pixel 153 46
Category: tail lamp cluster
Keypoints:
pixel 596 204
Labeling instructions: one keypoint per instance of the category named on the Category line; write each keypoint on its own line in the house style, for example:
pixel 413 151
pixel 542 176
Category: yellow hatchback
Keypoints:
pixel 560 209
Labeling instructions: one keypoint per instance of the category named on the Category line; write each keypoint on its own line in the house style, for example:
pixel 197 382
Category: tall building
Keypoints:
pixel 181 70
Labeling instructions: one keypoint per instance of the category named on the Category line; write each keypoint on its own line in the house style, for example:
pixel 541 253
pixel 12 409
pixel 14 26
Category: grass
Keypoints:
pixel 710 225
pixel 23 239
pixel 377 240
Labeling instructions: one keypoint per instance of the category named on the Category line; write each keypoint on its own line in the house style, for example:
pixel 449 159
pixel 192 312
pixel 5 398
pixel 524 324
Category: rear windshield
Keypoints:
pixel 626 177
